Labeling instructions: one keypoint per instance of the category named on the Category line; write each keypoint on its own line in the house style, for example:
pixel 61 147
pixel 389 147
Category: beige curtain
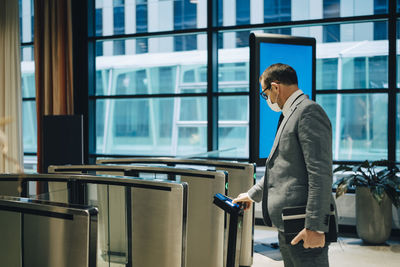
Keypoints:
pixel 53 62
pixel 11 154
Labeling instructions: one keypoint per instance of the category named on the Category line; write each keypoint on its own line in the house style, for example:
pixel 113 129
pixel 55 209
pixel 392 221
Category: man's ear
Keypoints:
pixel 274 85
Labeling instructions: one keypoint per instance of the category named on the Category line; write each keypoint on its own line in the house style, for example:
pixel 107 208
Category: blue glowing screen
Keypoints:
pixel 300 58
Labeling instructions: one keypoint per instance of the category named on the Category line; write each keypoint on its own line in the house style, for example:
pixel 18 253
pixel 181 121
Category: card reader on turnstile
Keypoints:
pixel 235 228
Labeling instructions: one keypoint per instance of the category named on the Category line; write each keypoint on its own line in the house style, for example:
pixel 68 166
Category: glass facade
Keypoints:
pixel 151 126
pixel 29 132
pixel 233 126
pixel 398 129
pixel 359 125
pixel 157 125
pixel 151 91
pixel 26 20
pixel 350 56
pixel 133 16
pixel 29 125
pixel 163 71
pixel 273 11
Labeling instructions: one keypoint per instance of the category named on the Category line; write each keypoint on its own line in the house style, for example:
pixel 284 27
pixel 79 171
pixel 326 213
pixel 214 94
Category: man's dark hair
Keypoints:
pixel 279 72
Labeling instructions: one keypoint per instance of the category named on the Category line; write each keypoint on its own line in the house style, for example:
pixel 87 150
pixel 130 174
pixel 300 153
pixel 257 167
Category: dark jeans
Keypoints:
pixel 298 256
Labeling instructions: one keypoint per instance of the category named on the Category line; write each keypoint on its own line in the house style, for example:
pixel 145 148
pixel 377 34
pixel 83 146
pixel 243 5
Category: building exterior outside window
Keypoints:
pixel 161 81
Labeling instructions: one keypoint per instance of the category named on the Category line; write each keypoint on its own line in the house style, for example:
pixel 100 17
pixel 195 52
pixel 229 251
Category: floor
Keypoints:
pixel 347 252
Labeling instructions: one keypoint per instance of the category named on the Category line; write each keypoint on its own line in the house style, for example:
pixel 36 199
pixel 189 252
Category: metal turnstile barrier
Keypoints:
pixel 205 223
pixel 46 234
pixel 235 228
pixel 241 179
pixel 153 217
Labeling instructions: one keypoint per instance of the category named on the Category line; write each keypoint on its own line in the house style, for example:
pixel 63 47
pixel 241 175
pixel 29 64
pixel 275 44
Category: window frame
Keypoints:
pixel 214 28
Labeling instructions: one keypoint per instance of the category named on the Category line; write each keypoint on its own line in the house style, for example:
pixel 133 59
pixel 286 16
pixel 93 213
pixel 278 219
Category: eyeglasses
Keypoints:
pixel 264 95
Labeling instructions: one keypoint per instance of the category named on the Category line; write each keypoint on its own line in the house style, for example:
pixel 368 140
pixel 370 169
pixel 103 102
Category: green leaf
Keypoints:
pixel 365 164
pixel 379 176
pixel 342 168
pixel 393 195
pixel 384 175
pixel 356 168
pixel 360 180
pixel 382 162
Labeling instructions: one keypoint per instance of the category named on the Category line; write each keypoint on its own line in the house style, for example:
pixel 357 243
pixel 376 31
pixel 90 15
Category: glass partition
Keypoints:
pixel 29 125
pixel 152 66
pixel 135 16
pixel 398 129
pixel 351 55
pixel 233 126
pixel 359 125
pixel 152 126
pixel 241 12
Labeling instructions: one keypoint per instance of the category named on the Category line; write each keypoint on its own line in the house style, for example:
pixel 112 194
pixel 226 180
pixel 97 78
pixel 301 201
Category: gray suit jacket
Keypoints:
pixel 299 168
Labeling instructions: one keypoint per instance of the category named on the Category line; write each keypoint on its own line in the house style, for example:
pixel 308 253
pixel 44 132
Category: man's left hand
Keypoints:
pixel 311 239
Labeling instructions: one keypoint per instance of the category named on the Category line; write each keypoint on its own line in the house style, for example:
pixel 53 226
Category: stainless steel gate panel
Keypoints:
pixel 111 201
pixel 238 184
pixel 113 236
pixel 10 238
pixel 127 220
pixel 53 234
pixel 58 192
pixel 241 179
pixel 157 230
pixel 205 222
pixel 9 189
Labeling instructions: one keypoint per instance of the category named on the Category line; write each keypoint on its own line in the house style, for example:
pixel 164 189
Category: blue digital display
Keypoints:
pixel 300 57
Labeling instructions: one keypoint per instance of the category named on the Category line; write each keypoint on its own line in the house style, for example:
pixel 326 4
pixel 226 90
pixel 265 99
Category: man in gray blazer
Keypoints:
pixel 298 170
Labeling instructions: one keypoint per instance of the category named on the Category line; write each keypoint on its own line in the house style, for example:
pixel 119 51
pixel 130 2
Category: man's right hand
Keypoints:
pixel 244 199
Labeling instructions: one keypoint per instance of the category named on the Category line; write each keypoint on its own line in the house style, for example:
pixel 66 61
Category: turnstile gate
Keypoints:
pixel 205 222
pixel 46 234
pixel 241 179
pixel 154 215
pixel 235 228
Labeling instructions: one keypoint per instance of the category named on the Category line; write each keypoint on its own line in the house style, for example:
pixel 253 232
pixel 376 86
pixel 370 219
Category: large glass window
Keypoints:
pixel 331 9
pixel 152 91
pixel 233 126
pixel 356 62
pixel 398 128
pixel 99 29
pixel 352 65
pixel 122 16
pixel 152 126
pixel 138 124
pixel 272 11
pixel 277 10
pixel 359 124
pixel 119 17
pixel 29 131
pixel 162 71
pixel 26 20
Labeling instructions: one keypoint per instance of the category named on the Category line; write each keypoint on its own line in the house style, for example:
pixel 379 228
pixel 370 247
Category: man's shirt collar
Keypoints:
pixel 290 101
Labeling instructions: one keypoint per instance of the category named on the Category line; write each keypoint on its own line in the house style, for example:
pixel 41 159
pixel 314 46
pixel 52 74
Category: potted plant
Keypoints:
pixel 377 187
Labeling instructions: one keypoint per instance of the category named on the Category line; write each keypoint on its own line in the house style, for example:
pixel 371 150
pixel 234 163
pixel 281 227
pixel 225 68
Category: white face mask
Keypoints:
pixel 275 107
